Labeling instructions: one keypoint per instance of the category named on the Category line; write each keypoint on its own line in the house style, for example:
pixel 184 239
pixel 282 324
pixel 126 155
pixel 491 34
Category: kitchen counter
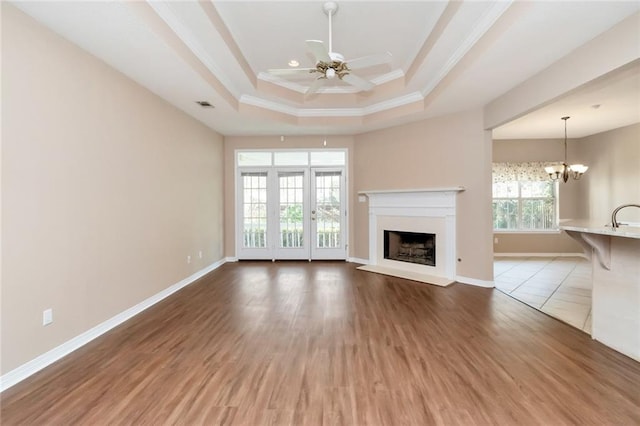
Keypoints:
pixel 597 228
pixel 615 306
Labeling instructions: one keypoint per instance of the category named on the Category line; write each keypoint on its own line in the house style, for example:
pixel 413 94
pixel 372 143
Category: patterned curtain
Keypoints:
pixel 508 172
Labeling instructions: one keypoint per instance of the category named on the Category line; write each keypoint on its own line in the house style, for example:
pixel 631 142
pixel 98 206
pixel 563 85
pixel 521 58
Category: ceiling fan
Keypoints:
pixel 330 64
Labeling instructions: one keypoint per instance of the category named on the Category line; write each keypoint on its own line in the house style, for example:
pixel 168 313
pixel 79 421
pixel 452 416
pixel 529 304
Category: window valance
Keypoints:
pixel 509 172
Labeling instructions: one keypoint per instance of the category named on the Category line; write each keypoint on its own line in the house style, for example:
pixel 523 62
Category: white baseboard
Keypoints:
pixel 25 370
pixel 358 260
pixel 231 259
pixel 473 281
pixel 540 255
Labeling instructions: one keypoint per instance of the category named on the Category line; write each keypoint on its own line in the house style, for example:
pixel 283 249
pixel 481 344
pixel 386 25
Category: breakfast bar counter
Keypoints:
pixel 615 258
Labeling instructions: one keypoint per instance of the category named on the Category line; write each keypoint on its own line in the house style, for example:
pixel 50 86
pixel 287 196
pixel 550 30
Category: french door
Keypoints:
pixel 327 214
pixel 291 213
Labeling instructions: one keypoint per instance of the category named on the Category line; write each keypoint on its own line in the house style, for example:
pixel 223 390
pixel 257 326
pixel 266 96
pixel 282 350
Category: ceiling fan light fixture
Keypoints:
pixel 293 63
pixel 330 64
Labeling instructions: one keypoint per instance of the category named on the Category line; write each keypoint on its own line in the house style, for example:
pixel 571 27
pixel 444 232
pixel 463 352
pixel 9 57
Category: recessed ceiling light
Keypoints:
pixel 293 63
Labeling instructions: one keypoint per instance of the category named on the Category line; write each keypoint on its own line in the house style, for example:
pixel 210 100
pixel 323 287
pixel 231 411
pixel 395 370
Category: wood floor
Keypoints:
pixel 297 343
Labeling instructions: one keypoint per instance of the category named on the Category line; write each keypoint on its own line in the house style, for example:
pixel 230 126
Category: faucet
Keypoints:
pixel 614 222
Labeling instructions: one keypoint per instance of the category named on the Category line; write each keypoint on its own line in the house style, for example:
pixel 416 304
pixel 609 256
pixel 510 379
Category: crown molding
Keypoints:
pixel 332 112
pixel 394 103
pixel 163 10
pixel 270 105
pixel 483 25
pixel 221 27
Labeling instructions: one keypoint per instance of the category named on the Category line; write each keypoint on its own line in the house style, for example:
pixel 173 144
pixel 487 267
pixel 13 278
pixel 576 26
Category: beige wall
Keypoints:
pixel 525 150
pixel 547 244
pixel 613 177
pixel 106 189
pixel 232 143
pixel 442 152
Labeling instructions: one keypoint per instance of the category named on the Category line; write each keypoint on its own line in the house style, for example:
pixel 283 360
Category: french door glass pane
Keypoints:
pixel 328 218
pixel 291 209
pixel 254 205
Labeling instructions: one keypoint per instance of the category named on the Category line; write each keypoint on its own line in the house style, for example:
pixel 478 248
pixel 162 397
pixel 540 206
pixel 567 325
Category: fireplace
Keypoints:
pixel 404 226
pixel 411 247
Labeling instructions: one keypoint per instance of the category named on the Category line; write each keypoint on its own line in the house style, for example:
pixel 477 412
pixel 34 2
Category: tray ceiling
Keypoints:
pixel 447 57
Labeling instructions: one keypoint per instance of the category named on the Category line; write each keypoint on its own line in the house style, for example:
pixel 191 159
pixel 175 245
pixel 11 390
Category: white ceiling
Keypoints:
pixel 447 57
pixel 610 102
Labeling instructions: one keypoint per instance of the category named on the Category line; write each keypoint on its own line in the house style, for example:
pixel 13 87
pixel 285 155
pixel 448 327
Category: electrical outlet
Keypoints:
pixel 200 254
pixel 188 259
pixel 495 240
pixel 47 316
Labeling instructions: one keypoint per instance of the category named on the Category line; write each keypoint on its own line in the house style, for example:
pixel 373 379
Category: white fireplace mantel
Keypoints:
pixel 431 210
pixel 402 191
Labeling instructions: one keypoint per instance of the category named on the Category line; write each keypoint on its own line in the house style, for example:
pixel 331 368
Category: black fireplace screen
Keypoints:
pixel 412 247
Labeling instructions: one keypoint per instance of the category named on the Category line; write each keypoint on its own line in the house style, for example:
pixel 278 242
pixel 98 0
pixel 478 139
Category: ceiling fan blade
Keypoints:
pixel 358 82
pixel 369 61
pixel 314 86
pixel 319 51
pixel 291 71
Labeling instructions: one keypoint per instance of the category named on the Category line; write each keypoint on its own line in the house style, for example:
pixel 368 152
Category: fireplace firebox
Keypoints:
pixel 411 247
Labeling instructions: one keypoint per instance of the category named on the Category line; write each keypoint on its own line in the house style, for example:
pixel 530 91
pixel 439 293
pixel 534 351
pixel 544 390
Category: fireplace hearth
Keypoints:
pixel 411 247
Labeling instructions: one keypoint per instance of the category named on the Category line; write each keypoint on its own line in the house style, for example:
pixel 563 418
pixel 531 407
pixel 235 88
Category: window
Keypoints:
pixel 524 205
pixel 328 158
pixel 524 199
pixel 291 158
pixel 256 158
pixel 323 157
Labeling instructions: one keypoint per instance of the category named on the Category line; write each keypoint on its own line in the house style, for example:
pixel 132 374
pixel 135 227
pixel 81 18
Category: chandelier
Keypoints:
pixel 565 170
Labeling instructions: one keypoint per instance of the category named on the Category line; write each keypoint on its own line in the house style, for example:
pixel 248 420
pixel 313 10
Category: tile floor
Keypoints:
pixel 557 286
